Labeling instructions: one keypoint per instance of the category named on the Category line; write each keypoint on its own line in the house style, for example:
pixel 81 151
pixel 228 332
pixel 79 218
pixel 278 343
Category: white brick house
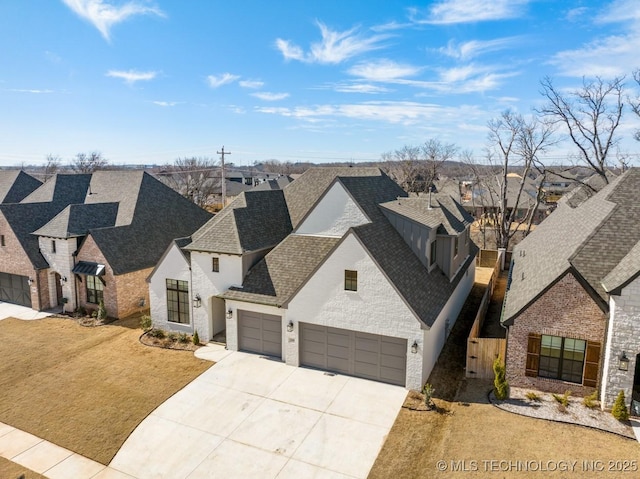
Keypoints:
pixel 340 271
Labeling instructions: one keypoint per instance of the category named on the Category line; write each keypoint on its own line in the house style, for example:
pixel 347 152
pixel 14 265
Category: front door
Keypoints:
pixel 58 289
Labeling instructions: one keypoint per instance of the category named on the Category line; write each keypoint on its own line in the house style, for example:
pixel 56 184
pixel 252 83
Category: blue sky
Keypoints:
pixel 151 81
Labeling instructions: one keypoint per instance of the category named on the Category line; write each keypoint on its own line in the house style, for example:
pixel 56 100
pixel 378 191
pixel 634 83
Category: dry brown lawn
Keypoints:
pixel 85 389
pixel 11 470
pixel 470 429
pixel 467 432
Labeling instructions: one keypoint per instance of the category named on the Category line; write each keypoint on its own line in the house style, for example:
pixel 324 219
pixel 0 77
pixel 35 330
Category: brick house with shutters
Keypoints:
pixel 572 307
pixel 79 239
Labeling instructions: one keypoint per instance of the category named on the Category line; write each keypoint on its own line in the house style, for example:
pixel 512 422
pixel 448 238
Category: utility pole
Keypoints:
pixel 222 175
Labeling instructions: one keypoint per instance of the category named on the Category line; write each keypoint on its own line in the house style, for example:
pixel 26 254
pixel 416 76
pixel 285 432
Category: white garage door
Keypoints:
pixel 365 355
pixel 260 333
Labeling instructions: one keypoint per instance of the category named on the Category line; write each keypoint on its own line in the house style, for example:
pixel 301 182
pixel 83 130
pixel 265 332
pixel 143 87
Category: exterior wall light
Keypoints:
pixel 623 362
pixel 30 281
pixel 229 313
pixel 290 326
pixel 414 347
pixel 197 301
pixel 63 279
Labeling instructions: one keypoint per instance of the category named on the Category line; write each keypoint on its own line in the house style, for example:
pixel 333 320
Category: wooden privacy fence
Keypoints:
pixel 481 352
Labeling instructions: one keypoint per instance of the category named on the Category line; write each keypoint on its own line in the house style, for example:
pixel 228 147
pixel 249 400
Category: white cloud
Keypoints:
pixel 468 11
pixel 268 96
pixel 166 103
pixel 620 11
pixel 335 47
pixel 28 90
pixel 474 48
pixel 103 15
pixel 253 84
pixel 132 76
pixel 216 81
pixel 402 112
pixel 359 88
pixel 383 70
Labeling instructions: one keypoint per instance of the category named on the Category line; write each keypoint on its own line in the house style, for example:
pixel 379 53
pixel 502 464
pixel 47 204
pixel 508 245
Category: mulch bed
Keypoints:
pixel 168 342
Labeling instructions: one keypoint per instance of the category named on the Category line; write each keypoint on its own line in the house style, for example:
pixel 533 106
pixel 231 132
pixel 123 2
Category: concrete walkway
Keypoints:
pixel 8 310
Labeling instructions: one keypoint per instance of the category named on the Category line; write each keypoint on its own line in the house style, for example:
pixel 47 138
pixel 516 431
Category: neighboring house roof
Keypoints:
pixel 284 270
pixel 598 240
pixel 131 216
pixel 586 190
pixel 487 192
pixel 15 185
pixel 253 221
pixel 274 184
pixel 38 208
pixel 76 220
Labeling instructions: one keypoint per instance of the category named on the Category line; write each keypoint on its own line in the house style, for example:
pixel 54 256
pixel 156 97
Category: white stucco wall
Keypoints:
pixel 232 323
pixel 173 266
pixel 60 262
pixel 334 214
pixel 207 283
pixel 623 335
pixel 375 308
pixel 435 338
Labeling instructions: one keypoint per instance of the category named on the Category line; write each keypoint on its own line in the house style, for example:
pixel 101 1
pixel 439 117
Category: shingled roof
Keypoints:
pixel 131 216
pixel 15 185
pixel 255 220
pixel 597 240
pixel 283 271
pixel 440 211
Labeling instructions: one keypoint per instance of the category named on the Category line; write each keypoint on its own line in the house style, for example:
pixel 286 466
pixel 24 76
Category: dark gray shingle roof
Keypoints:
pixel 254 220
pixel 77 220
pixel 15 185
pixel 276 278
pixel 597 239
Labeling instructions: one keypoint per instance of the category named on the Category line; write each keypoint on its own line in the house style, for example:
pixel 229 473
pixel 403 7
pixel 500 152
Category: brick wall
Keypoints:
pixel 122 293
pixel 14 260
pixel 131 288
pixel 566 310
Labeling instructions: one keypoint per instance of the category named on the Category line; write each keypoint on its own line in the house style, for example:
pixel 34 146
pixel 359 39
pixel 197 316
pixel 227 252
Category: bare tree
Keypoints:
pixel 415 168
pixel 52 166
pixel 634 102
pixel 196 178
pixel 514 142
pixel 88 163
pixel 590 115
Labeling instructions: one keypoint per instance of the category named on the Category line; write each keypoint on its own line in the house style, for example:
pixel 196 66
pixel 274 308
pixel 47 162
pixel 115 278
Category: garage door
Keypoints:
pixel 370 356
pixel 15 289
pixel 260 333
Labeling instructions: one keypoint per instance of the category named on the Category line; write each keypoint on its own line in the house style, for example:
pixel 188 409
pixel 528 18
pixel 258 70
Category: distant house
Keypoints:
pixel 484 201
pixel 15 185
pixel 79 239
pixel 340 270
pixel 572 308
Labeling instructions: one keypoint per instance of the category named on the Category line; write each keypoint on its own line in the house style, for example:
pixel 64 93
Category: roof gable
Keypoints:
pixel 15 185
pixel 334 213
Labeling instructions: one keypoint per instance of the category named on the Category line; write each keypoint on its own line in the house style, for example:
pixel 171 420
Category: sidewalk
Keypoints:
pixel 50 460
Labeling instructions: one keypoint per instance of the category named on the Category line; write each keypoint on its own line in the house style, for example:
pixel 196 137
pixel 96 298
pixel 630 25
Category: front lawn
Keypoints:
pixel 85 389
pixel 474 439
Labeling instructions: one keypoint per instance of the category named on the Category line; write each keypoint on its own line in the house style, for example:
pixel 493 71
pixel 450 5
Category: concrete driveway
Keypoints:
pixel 8 310
pixel 251 417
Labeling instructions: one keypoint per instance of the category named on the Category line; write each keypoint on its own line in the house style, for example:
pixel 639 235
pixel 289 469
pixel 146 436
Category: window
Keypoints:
pixel 178 301
pixel 350 280
pixel 215 265
pixel 2 243
pixel 95 289
pixel 434 250
pixel 53 246
pixel 562 358
pixel 456 246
